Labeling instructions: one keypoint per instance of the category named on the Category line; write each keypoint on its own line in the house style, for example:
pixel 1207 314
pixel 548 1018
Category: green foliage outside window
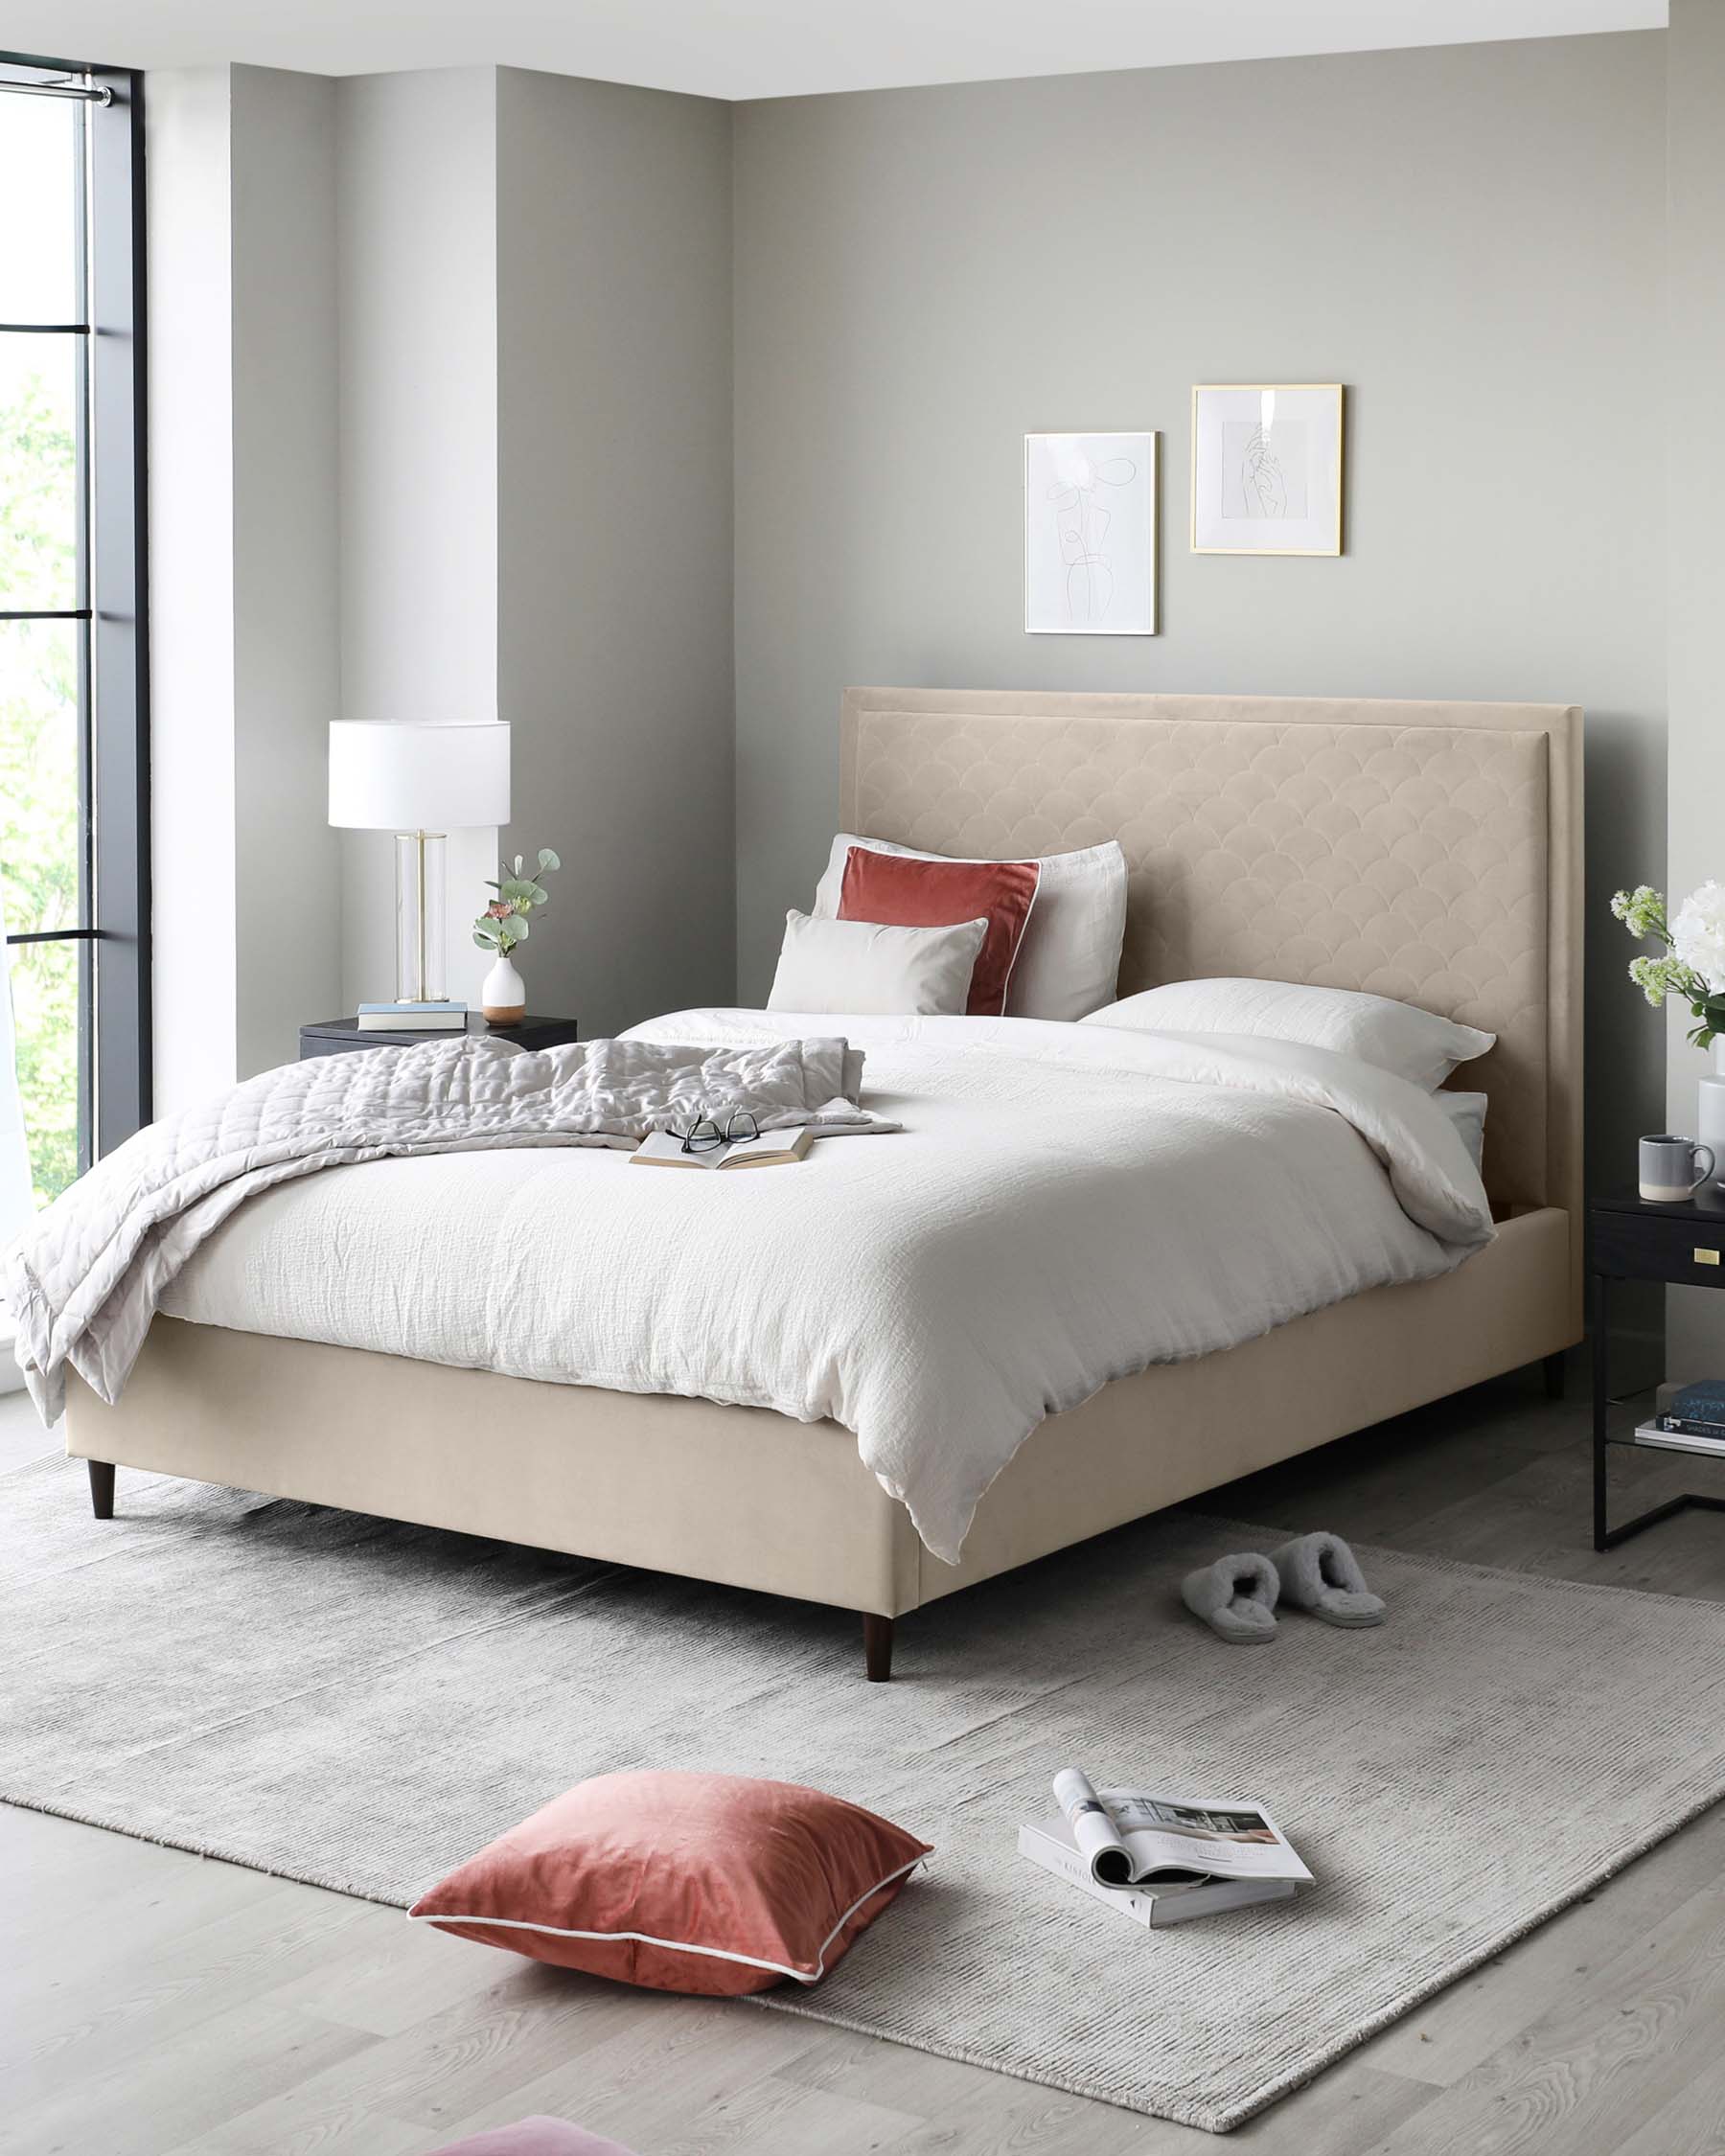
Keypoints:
pixel 39 834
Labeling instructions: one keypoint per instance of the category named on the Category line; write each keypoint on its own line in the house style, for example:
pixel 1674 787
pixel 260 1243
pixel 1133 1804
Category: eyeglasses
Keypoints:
pixel 705 1134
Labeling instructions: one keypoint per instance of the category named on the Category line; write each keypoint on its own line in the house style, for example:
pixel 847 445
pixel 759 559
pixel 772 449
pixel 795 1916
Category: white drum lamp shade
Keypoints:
pixel 417 777
pixel 419 781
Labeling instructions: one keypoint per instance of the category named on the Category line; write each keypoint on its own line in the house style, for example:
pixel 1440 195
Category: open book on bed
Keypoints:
pixel 769 1149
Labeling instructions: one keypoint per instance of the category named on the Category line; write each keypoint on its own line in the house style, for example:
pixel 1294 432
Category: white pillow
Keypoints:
pixel 1467 1112
pixel 1070 959
pixel 878 972
pixel 1399 1038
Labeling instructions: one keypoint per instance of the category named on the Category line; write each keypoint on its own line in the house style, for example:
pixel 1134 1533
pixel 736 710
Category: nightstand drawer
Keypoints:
pixel 1642 1246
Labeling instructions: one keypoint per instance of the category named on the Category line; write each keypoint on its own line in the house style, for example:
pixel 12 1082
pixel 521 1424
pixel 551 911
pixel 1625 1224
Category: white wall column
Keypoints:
pixel 190 432
pixel 417 225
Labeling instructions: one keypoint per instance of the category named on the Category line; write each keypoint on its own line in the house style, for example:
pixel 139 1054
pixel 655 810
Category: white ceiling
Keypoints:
pixel 775 48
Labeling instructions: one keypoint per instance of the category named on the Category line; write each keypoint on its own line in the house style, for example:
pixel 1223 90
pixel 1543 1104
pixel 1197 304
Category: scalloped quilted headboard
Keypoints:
pixel 1426 850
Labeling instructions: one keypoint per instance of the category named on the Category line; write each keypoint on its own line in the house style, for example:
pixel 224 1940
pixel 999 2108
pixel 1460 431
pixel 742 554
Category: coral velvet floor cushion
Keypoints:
pixel 717 1884
pixel 538 2136
pixel 904 892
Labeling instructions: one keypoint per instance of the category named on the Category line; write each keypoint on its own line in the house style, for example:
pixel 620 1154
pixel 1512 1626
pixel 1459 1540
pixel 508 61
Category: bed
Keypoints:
pixel 1429 852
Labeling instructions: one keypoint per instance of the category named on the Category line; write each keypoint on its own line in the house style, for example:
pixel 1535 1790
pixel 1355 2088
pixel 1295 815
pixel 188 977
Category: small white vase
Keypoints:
pixel 1710 1114
pixel 503 994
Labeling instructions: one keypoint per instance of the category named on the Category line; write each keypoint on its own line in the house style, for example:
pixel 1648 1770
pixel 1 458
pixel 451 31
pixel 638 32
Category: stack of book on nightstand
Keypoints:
pixel 1694 1420
pixel 412 1017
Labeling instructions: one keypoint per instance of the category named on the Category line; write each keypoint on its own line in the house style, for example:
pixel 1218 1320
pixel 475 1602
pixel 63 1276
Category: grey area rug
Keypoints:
pixel 362 1705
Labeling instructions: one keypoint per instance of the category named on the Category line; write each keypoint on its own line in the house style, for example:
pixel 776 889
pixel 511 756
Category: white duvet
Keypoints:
pixel 1065 1205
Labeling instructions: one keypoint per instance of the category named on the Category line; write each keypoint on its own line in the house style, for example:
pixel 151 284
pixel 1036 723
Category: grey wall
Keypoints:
pixel 1695 558
pixel 614 537
pixel 1469 237
pixel 286 600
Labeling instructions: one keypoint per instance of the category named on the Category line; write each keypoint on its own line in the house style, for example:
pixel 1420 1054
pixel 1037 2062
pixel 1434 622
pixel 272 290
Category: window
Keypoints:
pixel 74 816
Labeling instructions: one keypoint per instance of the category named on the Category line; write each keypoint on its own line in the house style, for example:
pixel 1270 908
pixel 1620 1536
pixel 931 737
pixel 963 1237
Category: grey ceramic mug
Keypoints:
pixel 1669 1170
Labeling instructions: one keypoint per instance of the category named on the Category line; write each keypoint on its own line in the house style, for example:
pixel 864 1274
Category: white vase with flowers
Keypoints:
pixel 500 928
pixel 1692 966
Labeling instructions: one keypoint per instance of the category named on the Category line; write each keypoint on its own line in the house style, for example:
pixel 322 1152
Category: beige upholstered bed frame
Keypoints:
pixel 1426 850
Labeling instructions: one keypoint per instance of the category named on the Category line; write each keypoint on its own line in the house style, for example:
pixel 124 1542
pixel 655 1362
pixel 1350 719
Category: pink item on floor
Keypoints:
pixel 538 2136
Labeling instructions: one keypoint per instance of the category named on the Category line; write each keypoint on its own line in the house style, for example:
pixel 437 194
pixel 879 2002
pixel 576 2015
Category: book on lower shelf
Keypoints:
pixel 411 1017
pixel 1679 1437
pixel 1694 1411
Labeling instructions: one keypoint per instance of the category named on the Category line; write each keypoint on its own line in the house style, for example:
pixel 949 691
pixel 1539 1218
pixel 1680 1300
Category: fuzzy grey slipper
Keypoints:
pixel 1321 1574
pixel 1235 1596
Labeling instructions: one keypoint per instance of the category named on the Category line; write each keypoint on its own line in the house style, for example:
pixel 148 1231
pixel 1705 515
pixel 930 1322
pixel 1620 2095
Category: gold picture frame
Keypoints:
pixel 1230 468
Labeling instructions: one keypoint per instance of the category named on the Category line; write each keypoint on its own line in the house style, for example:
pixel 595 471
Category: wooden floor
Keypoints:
pixel 154 2004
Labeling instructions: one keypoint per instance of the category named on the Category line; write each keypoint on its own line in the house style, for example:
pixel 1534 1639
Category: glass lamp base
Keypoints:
pixel 421 942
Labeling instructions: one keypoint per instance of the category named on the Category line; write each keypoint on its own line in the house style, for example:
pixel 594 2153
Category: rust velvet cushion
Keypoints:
pixel 903 892
pixel 717 1884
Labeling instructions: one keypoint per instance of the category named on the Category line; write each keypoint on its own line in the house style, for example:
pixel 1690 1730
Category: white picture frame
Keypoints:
pixel 1266 467
pixel 1090 535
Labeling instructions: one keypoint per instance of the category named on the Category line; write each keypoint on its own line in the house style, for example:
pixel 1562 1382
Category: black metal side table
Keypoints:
pixel 1630 1239
pixel 334 1037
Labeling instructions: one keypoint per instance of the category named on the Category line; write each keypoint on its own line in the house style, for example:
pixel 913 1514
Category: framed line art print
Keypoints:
pixel 1266 467
pixel 1090 535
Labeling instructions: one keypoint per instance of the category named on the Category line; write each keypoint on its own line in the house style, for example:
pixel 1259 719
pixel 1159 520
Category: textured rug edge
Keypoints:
pixel 1225 2119
pixel 1206 2120
pixel 1464 1964
pixel 52 1808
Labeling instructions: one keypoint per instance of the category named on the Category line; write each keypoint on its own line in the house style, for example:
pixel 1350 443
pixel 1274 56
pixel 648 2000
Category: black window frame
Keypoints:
pixel 112 610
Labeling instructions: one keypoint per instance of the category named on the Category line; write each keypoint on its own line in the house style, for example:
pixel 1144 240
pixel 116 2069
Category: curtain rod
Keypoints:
pixel 87 92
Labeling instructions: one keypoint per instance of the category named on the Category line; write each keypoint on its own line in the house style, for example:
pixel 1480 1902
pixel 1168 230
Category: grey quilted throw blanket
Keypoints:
pixel 84 1279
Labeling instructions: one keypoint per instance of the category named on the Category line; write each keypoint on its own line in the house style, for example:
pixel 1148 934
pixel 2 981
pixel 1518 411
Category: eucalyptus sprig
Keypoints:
pixel 504 922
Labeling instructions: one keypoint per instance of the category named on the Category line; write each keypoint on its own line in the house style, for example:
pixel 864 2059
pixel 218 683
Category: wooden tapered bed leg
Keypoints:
pixel 102 1487
pixel 877 1647
pixel 1552 1367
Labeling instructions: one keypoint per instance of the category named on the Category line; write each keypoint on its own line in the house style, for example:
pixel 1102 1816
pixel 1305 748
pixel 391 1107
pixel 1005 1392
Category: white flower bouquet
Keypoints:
pixel 1693 962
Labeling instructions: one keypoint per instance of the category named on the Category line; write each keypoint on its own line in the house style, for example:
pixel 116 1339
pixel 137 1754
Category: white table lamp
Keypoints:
pixel 419 781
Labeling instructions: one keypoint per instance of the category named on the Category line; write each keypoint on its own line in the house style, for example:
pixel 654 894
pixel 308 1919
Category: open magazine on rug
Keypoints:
pixel 1048 1844
pixel 1136 1838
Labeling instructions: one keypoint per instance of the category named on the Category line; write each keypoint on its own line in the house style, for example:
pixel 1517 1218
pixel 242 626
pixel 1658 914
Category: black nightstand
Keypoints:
pixel 1630 1239
pixel 336 1037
